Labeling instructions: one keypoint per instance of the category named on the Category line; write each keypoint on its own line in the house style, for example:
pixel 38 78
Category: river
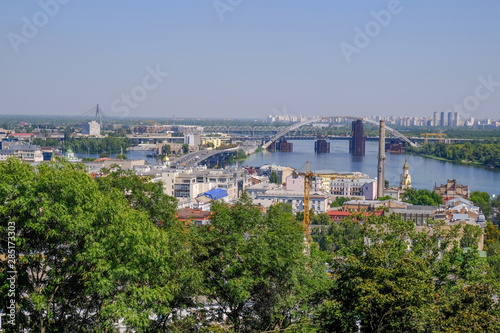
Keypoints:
pixel 425 172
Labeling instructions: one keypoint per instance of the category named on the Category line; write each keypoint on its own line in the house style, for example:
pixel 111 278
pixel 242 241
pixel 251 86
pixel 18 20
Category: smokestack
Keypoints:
pixel 381 160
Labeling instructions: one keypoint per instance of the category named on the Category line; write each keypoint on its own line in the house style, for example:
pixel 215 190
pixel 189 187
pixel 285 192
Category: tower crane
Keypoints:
pixel 308 177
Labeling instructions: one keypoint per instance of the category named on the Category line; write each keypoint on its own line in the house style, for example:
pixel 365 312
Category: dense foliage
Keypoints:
pixel 381 285
pixel 97 145
pixel 483 201
pixel 274 178
pixel 339 201
pixel 47 142
pixel 421 197
pixel 88 254
pixel 485 153
pixel 92 252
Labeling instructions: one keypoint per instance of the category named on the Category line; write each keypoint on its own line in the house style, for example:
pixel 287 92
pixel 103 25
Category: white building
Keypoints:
pixel 345 187
pixel 318 201
pixel 28 153
pixel 190 183
pixel 91 128
pixel 193 140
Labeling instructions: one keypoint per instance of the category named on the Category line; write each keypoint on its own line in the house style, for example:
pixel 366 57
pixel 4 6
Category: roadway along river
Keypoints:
pixel 425 172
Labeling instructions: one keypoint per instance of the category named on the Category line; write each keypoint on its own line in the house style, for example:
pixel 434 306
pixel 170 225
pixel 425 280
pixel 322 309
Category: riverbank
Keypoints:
pixel 463 162
pixel 425 172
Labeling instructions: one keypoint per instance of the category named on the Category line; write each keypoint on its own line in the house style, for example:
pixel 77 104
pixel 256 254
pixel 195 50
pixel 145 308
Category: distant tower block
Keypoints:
pixel 450 119
pixel 457 119
pixel 381 160
pixel 357 142
pixel 405 180
pixel 435 121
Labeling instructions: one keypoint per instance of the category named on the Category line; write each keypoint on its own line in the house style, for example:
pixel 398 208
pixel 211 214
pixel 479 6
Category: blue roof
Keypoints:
pixel 216 193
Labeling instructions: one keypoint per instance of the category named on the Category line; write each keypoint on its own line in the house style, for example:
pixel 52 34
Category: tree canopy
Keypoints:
pixel 400 280
pixel 87 256
pixel 92 252
pixel 421 197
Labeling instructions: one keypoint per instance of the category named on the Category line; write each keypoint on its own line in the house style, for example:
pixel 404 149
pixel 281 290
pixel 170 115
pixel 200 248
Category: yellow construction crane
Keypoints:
pixel 308 177
pixel 427 135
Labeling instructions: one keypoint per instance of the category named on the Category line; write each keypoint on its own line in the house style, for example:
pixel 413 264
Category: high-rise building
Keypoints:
pixel 441 120
pixel 457 119
pixel 450 119
pixel 435 119
pixel 91 128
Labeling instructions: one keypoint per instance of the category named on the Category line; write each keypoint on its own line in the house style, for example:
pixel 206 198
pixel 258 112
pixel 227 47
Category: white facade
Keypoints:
pixel 191 183
pixel 91 128
pixel 28 153
pixel 318 202
pixel 193 140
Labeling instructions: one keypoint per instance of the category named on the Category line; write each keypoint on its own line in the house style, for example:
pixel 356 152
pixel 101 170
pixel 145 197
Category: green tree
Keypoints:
pixel 121 157
pixel 406 281
pixel 339 201
pixel 254 266
pixel 492 234
pixel 470 237
pixel 141 193
pixel 321 219
pixel 167 150
pixel 274 178
pixel 421 197
pixel 47 142
pixel 185 148
pixel 483 201
pixel 495 204
pixel 86 257
pixel 341 238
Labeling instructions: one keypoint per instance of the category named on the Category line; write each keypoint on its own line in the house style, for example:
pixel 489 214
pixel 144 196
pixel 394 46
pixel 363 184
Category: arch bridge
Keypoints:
pixel 317 120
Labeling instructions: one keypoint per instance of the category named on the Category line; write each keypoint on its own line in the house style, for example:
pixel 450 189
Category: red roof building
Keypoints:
pixel 22 136
pixel 200 217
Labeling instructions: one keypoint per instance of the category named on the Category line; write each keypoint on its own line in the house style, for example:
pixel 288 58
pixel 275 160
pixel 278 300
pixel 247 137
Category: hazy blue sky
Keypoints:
pixel 250 58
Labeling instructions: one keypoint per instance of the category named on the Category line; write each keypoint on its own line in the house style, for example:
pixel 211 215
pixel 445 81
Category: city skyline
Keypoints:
pixel 243 59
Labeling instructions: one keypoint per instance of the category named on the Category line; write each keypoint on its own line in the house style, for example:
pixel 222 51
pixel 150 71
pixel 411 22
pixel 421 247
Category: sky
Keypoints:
pixel 250 58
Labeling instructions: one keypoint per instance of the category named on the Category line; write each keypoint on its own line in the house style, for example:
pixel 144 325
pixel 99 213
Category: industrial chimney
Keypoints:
pixel 381 160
